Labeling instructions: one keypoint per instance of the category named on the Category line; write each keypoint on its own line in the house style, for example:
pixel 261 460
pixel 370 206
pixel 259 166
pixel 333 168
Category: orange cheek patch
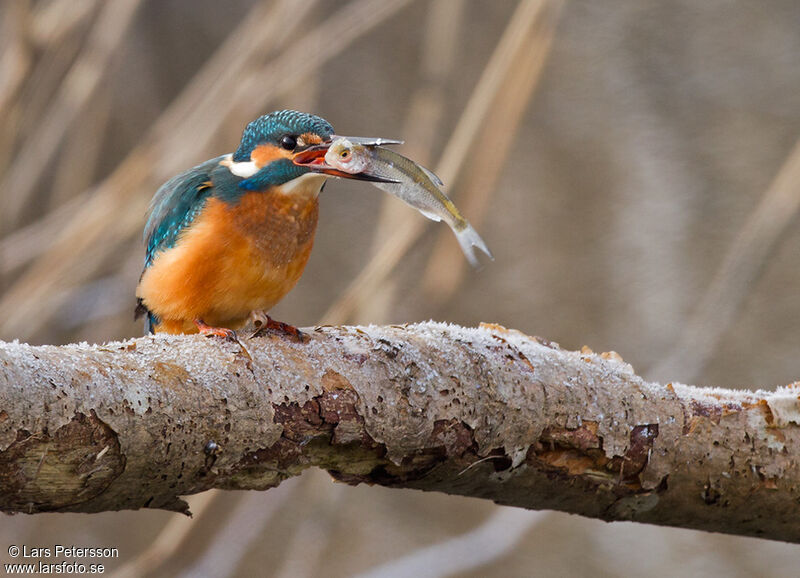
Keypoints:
pixel 310 138
pixel 264 154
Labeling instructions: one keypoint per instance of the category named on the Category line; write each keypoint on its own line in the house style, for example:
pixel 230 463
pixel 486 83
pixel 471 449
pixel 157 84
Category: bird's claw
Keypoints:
pixel 265 324
pixel 224 333
pixel 228 334
pixel 210 331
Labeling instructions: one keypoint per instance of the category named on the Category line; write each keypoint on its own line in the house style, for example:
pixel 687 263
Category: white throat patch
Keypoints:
pixel 307 184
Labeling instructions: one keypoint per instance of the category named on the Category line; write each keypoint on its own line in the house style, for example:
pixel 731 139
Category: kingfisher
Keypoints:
pixel 231 236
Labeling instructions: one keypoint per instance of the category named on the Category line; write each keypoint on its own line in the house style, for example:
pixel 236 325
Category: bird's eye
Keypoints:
pixel 289 143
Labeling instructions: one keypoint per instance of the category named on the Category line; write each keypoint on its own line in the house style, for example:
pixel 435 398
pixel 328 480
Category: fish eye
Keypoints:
pixel 288 142
pixel 344 154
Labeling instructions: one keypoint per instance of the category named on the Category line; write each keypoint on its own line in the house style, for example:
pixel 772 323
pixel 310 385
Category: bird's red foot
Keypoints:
pixel 266 324
pixel 209 331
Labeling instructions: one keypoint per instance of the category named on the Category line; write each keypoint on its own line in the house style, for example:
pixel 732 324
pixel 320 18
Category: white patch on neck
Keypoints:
pixel 244 169
pixel 307 184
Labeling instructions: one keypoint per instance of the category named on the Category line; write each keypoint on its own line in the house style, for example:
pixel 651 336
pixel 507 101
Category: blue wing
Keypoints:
pixel 173 208
pixel 175 205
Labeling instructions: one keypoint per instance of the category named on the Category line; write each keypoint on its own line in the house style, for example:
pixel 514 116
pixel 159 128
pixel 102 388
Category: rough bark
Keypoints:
pixel 486 412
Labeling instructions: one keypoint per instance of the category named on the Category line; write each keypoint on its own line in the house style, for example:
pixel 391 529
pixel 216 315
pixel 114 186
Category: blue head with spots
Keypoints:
pixel 270 142
pixel 273 128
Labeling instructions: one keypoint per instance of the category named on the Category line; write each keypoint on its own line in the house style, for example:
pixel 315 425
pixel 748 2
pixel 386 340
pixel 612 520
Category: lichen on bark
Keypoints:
pixel 484 412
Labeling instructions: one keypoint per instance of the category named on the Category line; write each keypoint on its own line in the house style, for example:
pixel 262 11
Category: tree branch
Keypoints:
pixel 484 412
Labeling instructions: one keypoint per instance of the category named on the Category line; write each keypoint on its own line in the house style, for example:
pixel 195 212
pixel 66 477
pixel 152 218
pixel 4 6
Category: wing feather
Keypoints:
pixel 174 207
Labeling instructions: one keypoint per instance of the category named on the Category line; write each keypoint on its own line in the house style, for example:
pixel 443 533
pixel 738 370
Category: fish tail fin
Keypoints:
pixel 469 239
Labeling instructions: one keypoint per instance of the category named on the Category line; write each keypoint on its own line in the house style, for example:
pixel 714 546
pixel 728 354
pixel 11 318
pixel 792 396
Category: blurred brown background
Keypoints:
pixel 631 165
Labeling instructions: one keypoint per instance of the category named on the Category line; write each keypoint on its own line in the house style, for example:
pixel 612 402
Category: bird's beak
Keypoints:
pixel 313 158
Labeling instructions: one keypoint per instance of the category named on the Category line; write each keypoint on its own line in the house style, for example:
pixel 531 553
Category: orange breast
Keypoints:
pixel 232 260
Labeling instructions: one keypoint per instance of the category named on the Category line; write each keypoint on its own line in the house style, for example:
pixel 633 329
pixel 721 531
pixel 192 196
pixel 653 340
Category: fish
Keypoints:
pixel 408 181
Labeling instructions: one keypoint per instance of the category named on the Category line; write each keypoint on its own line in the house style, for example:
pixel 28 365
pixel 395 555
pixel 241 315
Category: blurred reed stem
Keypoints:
pixel 34 298
pixel 455 155
pixel 421 132
pixel 38 150
pixel 736 277
pixel 168 540
pixel 478 181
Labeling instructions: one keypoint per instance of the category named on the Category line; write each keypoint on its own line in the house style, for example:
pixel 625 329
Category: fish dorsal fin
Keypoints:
pixel 432 176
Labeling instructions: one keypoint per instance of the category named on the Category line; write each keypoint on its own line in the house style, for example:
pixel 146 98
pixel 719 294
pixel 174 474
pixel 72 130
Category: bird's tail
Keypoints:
pixel 150 320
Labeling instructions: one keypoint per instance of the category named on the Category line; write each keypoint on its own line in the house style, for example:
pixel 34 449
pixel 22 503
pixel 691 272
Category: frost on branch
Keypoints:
pixel 484 412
